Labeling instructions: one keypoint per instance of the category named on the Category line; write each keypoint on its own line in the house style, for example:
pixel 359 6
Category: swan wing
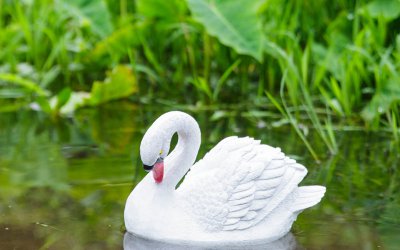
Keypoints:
pixel 238 183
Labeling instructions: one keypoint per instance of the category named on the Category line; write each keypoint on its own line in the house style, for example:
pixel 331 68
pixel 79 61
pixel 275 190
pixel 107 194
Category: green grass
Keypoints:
pixel 326 64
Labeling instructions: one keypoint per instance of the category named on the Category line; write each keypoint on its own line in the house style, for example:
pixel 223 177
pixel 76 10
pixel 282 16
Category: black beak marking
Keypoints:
pixel 147 168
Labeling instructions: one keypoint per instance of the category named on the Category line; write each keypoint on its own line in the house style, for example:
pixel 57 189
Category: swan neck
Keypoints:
pixel 179 161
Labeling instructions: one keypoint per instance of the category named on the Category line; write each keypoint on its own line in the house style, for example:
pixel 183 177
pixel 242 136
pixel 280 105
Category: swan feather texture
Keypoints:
pixel 238 183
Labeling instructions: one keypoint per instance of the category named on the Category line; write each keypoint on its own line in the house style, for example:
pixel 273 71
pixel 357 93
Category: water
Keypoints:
pixel 63 184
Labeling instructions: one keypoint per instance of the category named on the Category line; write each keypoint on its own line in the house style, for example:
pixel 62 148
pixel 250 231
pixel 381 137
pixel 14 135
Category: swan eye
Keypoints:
pixel 161 152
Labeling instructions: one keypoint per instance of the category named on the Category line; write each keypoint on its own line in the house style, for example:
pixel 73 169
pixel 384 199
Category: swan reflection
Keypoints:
pixel 288 242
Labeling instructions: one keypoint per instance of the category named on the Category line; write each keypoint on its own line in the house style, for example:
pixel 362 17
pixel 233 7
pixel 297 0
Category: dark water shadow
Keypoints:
pixel 131 242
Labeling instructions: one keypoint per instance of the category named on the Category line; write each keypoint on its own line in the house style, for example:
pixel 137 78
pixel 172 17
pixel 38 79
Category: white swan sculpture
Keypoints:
pixel 240 192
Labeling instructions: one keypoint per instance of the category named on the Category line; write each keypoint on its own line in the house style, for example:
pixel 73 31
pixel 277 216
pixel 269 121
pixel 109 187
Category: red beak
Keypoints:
pixel 158 171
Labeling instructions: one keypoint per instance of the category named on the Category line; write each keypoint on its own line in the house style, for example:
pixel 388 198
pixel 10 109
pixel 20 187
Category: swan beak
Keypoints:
pixel 158 171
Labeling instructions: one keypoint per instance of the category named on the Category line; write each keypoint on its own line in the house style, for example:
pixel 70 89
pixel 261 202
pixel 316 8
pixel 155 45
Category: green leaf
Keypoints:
pixel 93 14
pixel 63 97
pixel 202 85
pixel 44 104
pixel 13 93
pixel 382 100
pixel 224 77
pixel 234 22
pixel 25 83
pixel 118 43
pixel 168 10
pixel 275 103
pixel 120 83
pixel 389 9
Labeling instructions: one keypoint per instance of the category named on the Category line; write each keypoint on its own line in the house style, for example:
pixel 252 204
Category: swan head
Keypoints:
pixel 153 150
pixel 156 142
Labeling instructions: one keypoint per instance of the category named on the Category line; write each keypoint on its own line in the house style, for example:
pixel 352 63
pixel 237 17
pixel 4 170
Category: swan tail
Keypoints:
pixel 308 196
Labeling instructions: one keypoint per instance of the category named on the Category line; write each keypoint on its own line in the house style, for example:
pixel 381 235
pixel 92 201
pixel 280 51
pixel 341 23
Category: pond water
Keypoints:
pixel 63 184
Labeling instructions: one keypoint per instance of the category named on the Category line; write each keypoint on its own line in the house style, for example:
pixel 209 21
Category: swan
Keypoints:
pixel 241 191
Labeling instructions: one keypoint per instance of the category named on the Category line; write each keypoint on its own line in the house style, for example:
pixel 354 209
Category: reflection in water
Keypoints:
pixel 132 242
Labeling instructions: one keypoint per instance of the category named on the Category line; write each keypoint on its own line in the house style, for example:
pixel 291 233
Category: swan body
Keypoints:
pixel 241 191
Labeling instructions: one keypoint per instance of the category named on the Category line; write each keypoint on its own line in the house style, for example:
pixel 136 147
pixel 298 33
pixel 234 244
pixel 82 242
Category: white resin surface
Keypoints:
pixel 241 192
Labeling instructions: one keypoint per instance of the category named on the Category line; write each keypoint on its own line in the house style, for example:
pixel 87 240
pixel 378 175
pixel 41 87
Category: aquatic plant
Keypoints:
pixel 339 61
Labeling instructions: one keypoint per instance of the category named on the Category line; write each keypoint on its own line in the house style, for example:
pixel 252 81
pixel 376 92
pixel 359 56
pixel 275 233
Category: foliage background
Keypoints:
pixel 327 69
pixel 337 59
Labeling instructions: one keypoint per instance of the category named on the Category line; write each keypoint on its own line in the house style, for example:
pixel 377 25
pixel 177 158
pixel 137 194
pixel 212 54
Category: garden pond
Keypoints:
pixel 64 182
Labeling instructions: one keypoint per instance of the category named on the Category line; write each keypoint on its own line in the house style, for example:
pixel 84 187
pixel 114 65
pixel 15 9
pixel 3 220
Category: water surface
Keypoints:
pixel 63 183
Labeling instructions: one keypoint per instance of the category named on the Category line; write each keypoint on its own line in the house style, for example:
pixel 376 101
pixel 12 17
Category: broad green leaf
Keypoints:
pixel 118 42
pixel 119 83
pixel 389 9
pixel 234 22
pixel 382 100
pixel 93 14
pixel 169 10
